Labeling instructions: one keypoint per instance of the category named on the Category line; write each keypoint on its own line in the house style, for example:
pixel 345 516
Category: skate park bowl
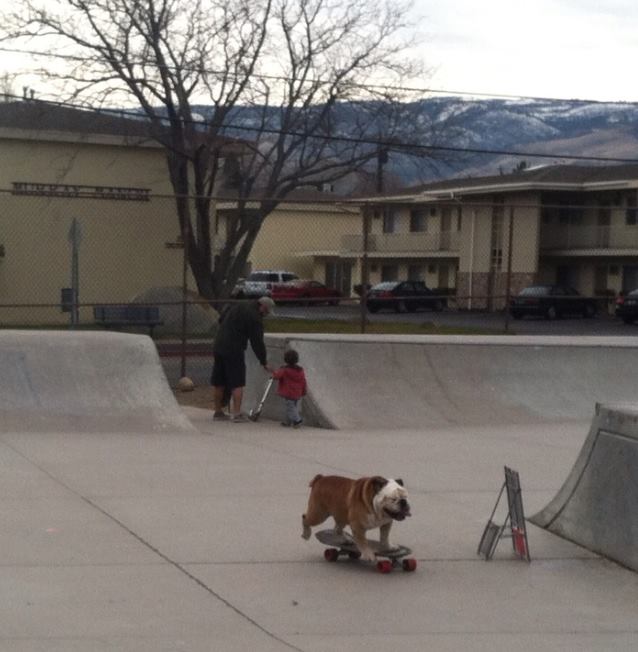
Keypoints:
pixel 395 382
pixel 596 507
pixel 423 382
pixel 84 381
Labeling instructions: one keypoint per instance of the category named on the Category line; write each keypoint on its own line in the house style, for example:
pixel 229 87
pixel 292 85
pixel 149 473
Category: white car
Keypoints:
pixel 259 283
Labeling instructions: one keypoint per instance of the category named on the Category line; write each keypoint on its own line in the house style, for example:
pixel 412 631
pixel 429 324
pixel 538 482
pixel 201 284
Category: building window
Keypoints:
pixel 389 272
pixel 631 211
pixel 416 272
pixel 498 220
pixel 389 221
pixel 418 220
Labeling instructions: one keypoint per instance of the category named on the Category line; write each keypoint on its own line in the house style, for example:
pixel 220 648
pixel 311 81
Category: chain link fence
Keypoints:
pixel 65 253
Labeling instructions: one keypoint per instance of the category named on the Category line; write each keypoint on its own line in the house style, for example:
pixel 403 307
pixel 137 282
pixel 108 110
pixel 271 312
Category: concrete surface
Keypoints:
pixel 596 506
pixel 65 380
pixel 140 540
pixel 367 381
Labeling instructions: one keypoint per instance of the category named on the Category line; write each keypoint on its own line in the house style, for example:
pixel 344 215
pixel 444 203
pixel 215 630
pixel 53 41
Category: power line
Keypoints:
pixel 283 78
pixel 378 143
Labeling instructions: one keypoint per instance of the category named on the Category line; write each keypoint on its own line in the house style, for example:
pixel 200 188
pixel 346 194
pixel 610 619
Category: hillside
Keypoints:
pixel 549 127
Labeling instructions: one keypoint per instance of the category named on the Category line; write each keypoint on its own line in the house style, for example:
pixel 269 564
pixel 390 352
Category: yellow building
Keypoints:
pixel 482 238
pixel 58 165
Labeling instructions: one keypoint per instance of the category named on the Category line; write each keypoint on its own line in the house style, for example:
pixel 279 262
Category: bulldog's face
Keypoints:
pixel 391 499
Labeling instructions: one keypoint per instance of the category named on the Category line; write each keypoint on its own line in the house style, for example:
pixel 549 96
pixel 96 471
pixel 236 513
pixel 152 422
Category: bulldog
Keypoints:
pixel 362 504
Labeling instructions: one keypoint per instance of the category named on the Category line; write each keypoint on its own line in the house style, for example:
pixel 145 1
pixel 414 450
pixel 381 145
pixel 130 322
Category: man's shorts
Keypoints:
pixel 229 371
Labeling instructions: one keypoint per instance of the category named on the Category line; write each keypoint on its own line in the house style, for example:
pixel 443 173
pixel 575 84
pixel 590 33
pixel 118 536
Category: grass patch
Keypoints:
pixel 283 325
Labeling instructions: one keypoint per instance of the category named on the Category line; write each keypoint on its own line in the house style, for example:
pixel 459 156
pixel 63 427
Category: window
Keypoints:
pixel 416 272
pixel 631 211
pixel 389 222
pixel 498 218
pixel 389 272
pixel 567 276
pixel 418 220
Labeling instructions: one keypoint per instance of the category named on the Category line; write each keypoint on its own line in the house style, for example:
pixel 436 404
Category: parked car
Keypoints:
pixel 627 307
pixel 259 283
pixel 307 292
pixel 403 295
pixel 551 302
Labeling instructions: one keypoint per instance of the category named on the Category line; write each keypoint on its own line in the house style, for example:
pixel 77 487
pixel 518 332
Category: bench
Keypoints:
pixel 127 315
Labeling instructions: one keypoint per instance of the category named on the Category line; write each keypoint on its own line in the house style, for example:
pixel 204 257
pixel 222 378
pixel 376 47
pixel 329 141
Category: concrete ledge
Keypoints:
pixel 368 381
pixel 596 507
pixel 84 381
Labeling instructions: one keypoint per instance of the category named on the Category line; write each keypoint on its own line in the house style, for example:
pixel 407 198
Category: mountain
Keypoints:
pixel 548 129
pixel 543 131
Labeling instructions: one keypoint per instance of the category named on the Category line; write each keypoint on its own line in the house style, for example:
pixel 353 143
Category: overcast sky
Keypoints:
pixel 583 49
pixel 550 48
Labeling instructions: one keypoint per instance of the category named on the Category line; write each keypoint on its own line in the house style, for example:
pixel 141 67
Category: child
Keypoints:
pixel 292 386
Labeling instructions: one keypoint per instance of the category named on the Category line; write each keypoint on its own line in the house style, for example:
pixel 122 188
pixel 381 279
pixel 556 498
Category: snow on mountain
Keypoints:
pixel 536 126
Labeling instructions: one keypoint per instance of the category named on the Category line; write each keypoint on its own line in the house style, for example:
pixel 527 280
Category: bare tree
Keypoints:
pixel 291 62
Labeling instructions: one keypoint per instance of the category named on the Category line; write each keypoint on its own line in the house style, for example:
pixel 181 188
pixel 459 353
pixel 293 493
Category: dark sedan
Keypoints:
pixel 403 296
pixel 627 307
pixel 551 302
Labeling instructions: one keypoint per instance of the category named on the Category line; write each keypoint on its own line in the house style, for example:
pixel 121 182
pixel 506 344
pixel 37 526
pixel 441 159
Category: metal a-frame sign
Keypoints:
pixel 493 533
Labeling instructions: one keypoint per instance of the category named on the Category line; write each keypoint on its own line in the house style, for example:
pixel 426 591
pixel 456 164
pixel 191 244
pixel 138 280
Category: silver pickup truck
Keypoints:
pixel 259 283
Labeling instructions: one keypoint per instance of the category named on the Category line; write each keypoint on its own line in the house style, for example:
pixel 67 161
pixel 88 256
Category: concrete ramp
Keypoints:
pixel 433 381
pixel 88 381
pixel 597 506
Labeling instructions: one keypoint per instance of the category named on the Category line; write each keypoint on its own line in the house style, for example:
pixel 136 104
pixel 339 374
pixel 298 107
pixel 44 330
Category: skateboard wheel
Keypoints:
pixel 354 555
pixel 409 564
pixel 331 554
pixel 384 566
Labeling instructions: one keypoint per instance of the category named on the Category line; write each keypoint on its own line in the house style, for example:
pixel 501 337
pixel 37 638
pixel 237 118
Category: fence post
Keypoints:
pixel 363 303
pixel 508 284
pixel 185 238
pixel 75 238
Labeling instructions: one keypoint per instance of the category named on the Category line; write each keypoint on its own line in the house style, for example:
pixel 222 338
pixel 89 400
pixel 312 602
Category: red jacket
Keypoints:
pixel 292 382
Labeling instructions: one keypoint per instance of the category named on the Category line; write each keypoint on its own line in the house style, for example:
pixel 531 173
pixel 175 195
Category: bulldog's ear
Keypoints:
pixel 378 483
pixel 399 481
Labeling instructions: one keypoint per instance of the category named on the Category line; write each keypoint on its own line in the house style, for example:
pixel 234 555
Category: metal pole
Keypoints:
pixel 508 285
pixel 185 239
pixel 75 236
pixel 365 224
pixel 471 274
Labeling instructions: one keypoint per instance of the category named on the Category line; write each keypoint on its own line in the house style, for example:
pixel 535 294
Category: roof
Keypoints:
pixel 43 116
pixel 36 115
pixel 551 177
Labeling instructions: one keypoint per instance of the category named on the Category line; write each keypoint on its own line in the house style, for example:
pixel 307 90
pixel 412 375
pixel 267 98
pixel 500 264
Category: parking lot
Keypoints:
pixel 602 324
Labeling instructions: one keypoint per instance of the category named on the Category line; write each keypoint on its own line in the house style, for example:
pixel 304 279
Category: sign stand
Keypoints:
pixel 493 533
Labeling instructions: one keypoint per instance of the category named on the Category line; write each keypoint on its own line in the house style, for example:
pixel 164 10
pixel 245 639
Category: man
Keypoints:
pixel 239 324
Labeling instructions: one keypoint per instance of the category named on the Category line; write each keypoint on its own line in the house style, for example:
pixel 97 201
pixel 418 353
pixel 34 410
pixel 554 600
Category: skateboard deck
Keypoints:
pixel 343 545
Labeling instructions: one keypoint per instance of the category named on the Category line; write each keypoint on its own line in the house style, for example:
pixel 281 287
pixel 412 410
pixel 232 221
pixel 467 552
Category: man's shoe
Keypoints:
pixel 297 424
pixel 239 418
pixel 220 416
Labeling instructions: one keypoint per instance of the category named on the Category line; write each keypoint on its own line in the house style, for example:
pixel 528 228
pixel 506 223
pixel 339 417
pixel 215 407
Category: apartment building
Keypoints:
pixel 486 238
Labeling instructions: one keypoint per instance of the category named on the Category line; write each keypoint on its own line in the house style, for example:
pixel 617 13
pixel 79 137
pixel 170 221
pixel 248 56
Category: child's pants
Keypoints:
pixel 292 411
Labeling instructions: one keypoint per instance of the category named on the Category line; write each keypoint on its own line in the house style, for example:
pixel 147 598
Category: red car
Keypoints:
pixel 306 292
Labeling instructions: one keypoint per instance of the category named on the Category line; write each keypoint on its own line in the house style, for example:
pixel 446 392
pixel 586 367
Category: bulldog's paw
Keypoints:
pixel 306 532
pixel 367 554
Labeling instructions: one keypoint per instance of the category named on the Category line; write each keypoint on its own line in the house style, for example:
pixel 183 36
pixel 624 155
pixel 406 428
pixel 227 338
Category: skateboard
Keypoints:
pixel 343 545
pixel 254 413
